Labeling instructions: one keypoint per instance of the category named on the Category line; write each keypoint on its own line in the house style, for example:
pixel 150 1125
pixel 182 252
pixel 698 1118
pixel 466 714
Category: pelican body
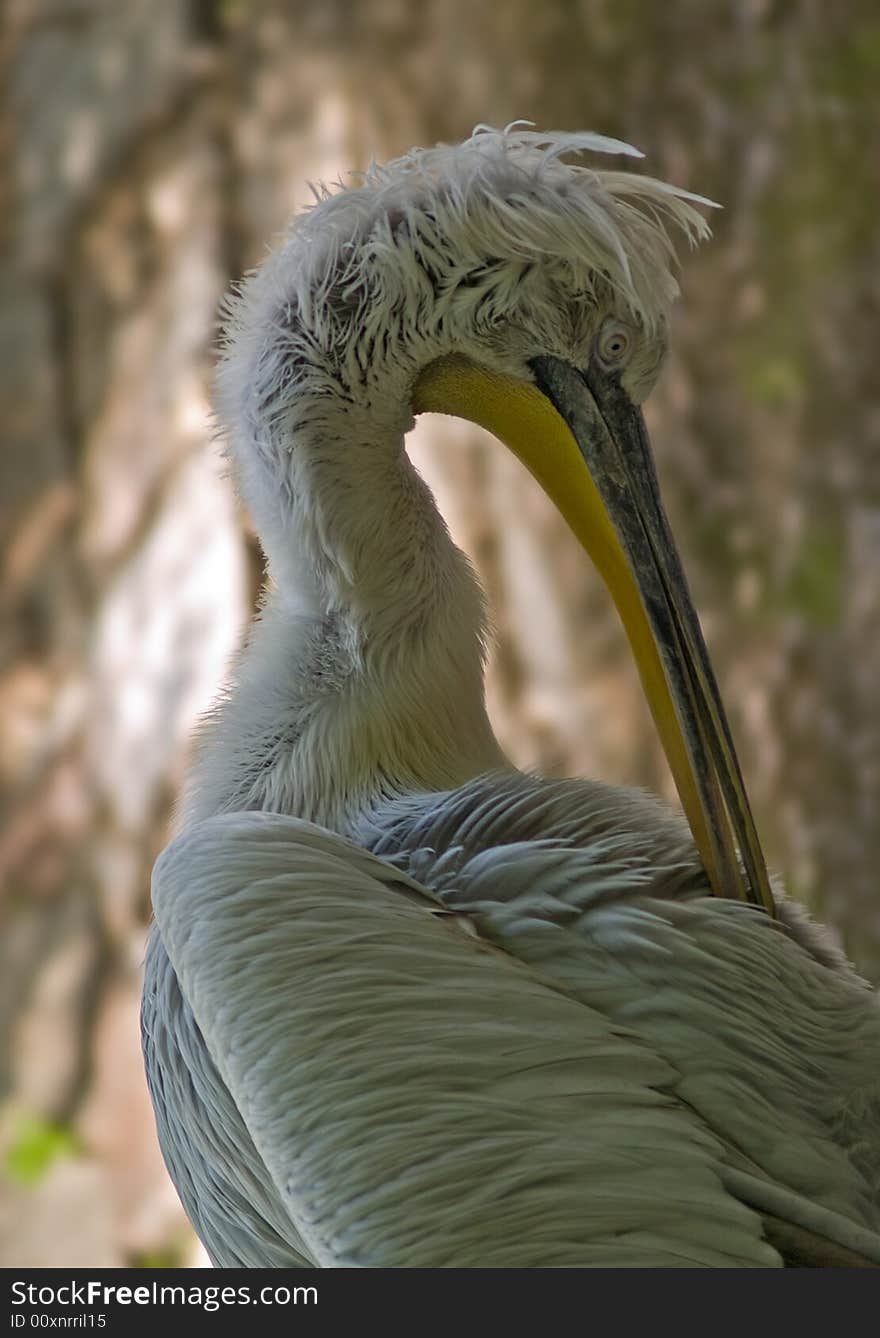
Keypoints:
pixel 405 1006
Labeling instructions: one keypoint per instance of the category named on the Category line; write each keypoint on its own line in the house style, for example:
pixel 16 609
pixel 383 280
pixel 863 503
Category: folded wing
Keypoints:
pixel 418 1095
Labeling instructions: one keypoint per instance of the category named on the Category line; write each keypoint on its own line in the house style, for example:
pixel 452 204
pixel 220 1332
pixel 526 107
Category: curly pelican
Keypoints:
pixel 404 1005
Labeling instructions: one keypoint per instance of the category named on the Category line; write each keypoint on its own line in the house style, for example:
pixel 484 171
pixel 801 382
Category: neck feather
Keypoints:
pixel 363 675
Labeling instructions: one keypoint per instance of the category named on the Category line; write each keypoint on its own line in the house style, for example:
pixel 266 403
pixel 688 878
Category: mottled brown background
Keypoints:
pixel 150 149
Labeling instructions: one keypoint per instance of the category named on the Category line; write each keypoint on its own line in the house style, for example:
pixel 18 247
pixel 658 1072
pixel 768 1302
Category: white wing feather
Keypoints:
pixel 417 1096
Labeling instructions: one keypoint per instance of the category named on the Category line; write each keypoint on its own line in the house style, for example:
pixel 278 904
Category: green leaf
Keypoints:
pixel 37 1144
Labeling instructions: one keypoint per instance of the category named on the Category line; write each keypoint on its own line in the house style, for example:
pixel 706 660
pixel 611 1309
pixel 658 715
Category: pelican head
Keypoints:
pixel 498 282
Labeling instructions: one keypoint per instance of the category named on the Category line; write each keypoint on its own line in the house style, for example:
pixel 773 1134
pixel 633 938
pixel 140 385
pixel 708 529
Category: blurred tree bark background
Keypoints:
pixel 150 151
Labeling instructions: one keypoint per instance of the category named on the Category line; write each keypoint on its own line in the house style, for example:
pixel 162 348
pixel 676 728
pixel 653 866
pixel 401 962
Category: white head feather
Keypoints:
pixel 494 247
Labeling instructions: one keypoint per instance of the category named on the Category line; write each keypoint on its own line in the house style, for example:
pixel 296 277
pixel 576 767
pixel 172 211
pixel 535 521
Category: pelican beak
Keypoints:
pixel 585 441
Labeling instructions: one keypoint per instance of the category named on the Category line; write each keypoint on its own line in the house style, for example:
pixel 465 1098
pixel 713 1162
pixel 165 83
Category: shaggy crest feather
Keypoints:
pixel 443 243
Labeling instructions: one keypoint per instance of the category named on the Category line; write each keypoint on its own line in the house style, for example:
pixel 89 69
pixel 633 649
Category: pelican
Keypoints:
pixel 405 1005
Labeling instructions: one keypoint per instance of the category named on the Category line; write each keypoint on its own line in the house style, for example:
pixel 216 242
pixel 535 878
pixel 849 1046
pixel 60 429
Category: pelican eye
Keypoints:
pixel 613 345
